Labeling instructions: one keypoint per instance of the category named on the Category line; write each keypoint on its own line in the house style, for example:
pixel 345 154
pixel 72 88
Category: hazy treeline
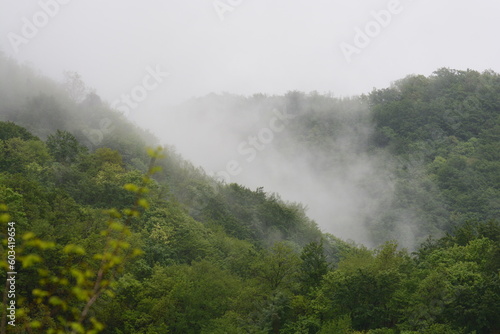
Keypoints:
pixel 405 162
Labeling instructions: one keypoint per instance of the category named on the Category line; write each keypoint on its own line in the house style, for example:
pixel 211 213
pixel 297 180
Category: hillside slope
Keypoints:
pixel 98 231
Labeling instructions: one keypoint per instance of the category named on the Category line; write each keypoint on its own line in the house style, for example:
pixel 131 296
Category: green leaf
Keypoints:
pixel 74 249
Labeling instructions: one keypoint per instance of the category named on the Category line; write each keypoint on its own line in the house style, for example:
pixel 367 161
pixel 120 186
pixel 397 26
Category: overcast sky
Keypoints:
pixel 247 47
pixel 145 56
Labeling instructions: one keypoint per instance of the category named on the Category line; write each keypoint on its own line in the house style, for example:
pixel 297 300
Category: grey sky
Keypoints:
pixel 124 48
pixel 260 46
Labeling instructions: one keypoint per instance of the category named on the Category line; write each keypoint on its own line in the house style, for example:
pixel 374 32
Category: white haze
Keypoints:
pixel 268 47
pixel 343 185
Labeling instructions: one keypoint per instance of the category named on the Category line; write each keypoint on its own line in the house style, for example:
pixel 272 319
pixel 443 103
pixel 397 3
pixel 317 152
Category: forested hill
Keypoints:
pixel 107 242
pixel 448 123
pixel 401 163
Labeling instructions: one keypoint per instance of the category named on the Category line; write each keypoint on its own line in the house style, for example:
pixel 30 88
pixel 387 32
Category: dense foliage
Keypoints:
pixel 222 258
pixel 451 122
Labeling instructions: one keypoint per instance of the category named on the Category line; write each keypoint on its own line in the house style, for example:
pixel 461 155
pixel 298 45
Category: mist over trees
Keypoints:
pixel 402 163
pixel 413 169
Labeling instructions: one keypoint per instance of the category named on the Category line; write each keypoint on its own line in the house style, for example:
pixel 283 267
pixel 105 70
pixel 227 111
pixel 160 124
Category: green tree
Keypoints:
pixel 64 147
pixel 11 130
pixel 313 266
pixel 278 268
pixel 17 155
